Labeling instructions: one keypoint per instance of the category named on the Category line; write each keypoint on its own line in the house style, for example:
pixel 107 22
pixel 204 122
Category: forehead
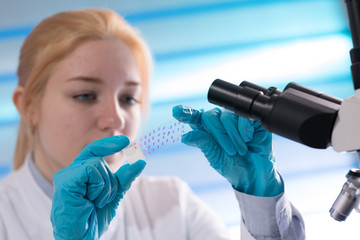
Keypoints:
pixel 102 51
pixel 104 59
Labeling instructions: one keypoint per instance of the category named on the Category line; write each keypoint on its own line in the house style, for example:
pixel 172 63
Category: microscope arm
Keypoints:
pixel 346 131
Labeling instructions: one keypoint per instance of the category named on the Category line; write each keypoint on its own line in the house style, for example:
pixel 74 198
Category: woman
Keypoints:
pixel 83 89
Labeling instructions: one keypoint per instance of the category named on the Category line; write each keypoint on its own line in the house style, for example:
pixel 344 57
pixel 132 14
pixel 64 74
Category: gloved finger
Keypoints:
pixel 62 216
pixel 246 129
pixel 103 147
pixel 207 144
pixel 95 184
pixel 212 123
pixel 261 143
pixel 188 115
pixel 230 122
pixel 65 203
pixel 257 138
pixel 100 183
pixel 71 179
pixel 128 172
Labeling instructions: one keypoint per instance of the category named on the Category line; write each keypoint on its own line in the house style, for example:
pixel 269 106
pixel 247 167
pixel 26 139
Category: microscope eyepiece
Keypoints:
pixel 232 97
pixel 298 113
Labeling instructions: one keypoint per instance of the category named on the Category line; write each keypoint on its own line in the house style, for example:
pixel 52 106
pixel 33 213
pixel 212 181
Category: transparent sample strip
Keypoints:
pixel 133 152
pixel 162 136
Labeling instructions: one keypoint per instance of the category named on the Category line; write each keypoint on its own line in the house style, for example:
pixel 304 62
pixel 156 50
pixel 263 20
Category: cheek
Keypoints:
pixel 133 124
pixel 61 121
pixel 61 134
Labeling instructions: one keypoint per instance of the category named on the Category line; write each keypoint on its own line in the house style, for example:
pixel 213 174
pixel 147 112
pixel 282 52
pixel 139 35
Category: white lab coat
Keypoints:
pixel 153 208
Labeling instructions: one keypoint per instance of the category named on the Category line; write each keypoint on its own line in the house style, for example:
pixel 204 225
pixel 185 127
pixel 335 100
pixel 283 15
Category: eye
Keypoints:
pixel 85 97
pixel 129 100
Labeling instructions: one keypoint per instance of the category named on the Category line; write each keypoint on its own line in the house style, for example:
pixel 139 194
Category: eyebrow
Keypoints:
pixel 86 79
pixel 99 81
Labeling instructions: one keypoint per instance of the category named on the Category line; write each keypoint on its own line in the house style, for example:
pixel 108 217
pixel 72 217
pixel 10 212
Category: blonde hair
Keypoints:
pixel 57 36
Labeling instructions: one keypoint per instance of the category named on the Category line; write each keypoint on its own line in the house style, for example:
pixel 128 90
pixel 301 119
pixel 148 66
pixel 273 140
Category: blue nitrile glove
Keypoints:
pixel 237 148
pixel 87 192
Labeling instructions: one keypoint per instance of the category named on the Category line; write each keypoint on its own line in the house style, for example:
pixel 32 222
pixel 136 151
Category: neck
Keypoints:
pixel 46 166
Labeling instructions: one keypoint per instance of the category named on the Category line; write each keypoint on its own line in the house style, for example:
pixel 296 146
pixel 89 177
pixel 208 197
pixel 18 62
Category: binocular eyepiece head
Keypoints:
pixel 297 113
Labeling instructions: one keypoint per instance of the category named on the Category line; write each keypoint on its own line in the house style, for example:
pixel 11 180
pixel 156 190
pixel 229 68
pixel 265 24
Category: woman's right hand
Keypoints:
pixel 87 193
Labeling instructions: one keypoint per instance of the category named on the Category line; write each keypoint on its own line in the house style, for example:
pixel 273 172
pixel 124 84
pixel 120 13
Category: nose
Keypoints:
pixel 111 116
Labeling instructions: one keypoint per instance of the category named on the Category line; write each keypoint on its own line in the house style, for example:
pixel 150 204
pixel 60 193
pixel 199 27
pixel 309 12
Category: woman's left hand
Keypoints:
pixel 237 148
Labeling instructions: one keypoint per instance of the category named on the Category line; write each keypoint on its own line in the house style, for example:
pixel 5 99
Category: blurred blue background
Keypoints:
pixel 268 42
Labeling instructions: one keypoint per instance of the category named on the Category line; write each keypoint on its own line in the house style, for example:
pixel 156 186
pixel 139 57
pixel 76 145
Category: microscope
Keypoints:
pixel 306 116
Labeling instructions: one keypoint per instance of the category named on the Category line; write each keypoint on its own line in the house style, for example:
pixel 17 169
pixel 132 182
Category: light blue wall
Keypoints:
pixel 268 42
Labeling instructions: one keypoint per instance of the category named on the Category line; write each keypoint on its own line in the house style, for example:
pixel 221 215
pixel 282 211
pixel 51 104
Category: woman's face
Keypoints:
pixel 92 93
